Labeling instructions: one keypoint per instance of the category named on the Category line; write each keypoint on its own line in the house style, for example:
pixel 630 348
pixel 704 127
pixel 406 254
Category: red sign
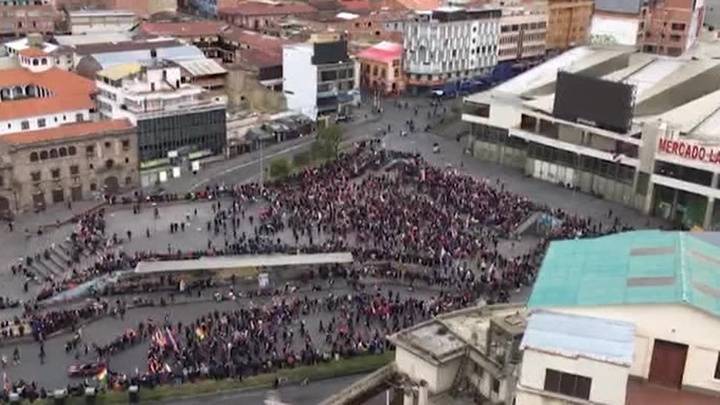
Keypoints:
pixel 689 150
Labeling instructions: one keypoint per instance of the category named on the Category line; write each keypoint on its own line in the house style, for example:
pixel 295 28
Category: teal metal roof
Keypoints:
pixel 639 267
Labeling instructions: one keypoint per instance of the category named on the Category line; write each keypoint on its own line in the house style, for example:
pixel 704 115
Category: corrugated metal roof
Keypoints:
pixel 175 54
pixel 202 67
pixel 619 6
pixel 231 262
pixel 600 339
pixel 675 267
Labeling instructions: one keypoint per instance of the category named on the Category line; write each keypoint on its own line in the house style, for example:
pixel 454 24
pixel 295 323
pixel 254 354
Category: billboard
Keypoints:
pixel 588 100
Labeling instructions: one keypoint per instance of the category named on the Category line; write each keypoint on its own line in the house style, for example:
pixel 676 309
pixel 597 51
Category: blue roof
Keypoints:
pixel 580 336
pixel 639 267
pixel 175 53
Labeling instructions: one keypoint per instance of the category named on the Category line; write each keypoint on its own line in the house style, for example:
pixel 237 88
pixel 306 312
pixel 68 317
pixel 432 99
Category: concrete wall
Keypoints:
pixel 674 323
pixel 245 92
pixel 300 82
pixel 614 29
pixel 439 379
pixel 609 381
pixel 498 153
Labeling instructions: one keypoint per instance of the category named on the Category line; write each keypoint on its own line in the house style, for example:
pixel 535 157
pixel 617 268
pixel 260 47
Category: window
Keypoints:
pixel 125 144
pixel 53 153
pixel 43 155
pixel 128 181
pixel 35 176
pixel 90 150
pixel 93 186
pixel 24 125
pixel 71 151
pixel 107 144
pixel 568 384
pixel 109 164
pixel 41 122
pixel 62 151
pixel 74 169
pixel 33 156
pixel 495 385
pixel 55 173
pixel 79 117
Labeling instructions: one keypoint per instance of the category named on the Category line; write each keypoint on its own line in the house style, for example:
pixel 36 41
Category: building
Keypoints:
pixel 712 14
pixel 523 29
pixel 571 356
pixel 616 22
pixel 663 283
pixel 38 96
pixel 178 124
pixel 65 163
pixel 568 23
pixel 96 21
pixel 57 56
pixel 22 20
pixel 647 138
pixel 141 8
pixel 670 27
pixel 255 15
pixel 450 45
pixel 205 34
pixel 322 81
pixel 381 68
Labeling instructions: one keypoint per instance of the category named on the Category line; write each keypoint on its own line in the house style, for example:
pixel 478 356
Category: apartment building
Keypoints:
pixel 100 21
pixel 381 68
pixel 568 23
pixel 17 20
pixel 177 123
pixel 670 27
pixel 523 31
pixel 450 44
pixel 323 78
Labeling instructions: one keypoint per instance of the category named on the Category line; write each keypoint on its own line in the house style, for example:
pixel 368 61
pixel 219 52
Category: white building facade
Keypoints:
pixel 450 44
pixel 522 32
pixel 323 80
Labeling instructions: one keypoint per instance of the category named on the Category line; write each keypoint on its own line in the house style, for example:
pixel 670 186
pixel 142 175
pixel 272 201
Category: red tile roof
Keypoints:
pixel 260 58
pixel 184 29
pixel 255 40
pixel 69 92
pixel 69 131
pixel 32 52
pixel 384 52
pixel 253 8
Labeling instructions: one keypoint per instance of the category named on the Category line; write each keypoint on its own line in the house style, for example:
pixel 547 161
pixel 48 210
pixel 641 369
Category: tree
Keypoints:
pixel 279 168
pixel 327 142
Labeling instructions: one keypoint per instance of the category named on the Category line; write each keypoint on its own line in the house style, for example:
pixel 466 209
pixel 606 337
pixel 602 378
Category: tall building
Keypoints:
pixel 568 23
pixel 450 44
pixel 670 27
pixel 322 80
pixel 523 30
pixel 177 123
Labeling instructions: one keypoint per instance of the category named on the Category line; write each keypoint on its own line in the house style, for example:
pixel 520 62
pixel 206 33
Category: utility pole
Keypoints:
pixel 262 168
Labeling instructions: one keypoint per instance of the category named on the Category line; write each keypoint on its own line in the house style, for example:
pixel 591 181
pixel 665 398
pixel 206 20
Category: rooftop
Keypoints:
pixel 262 8
pixel 233 262
pixel 384 52
pixel 674 90
pixel 95 38
pixel 69 131
pixel 201 67
pixel 32 52
pixel 24 43
pixel 580 336
pixel 69 92
pixel 113 47
pixel 117 72
pixel 184 29
pixel 100 13
pixel 638 267
pixel 430 339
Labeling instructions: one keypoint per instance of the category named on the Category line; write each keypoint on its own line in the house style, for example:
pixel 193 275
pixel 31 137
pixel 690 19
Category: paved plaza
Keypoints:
pixel 150 233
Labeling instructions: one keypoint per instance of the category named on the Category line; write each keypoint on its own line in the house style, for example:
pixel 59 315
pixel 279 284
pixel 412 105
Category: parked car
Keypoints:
pixel 436 147
pixel 86 369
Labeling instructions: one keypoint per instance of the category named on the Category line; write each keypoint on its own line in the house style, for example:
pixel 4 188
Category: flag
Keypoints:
pixel 171 338
pixel 102 376
pixel 199 332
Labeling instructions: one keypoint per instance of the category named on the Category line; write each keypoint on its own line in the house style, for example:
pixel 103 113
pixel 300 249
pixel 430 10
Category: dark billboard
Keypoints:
pixel 589 100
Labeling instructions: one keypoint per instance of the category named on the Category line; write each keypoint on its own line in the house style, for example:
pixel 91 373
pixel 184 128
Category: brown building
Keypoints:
pixel 21 20
pixel 257 16
pixel 669 27
pixel 381 68
pixel 67 163
pixel 568 23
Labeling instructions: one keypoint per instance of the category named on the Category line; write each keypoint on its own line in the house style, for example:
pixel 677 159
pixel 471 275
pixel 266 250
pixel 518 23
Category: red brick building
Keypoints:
pixel 669 27
pixel 21 20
